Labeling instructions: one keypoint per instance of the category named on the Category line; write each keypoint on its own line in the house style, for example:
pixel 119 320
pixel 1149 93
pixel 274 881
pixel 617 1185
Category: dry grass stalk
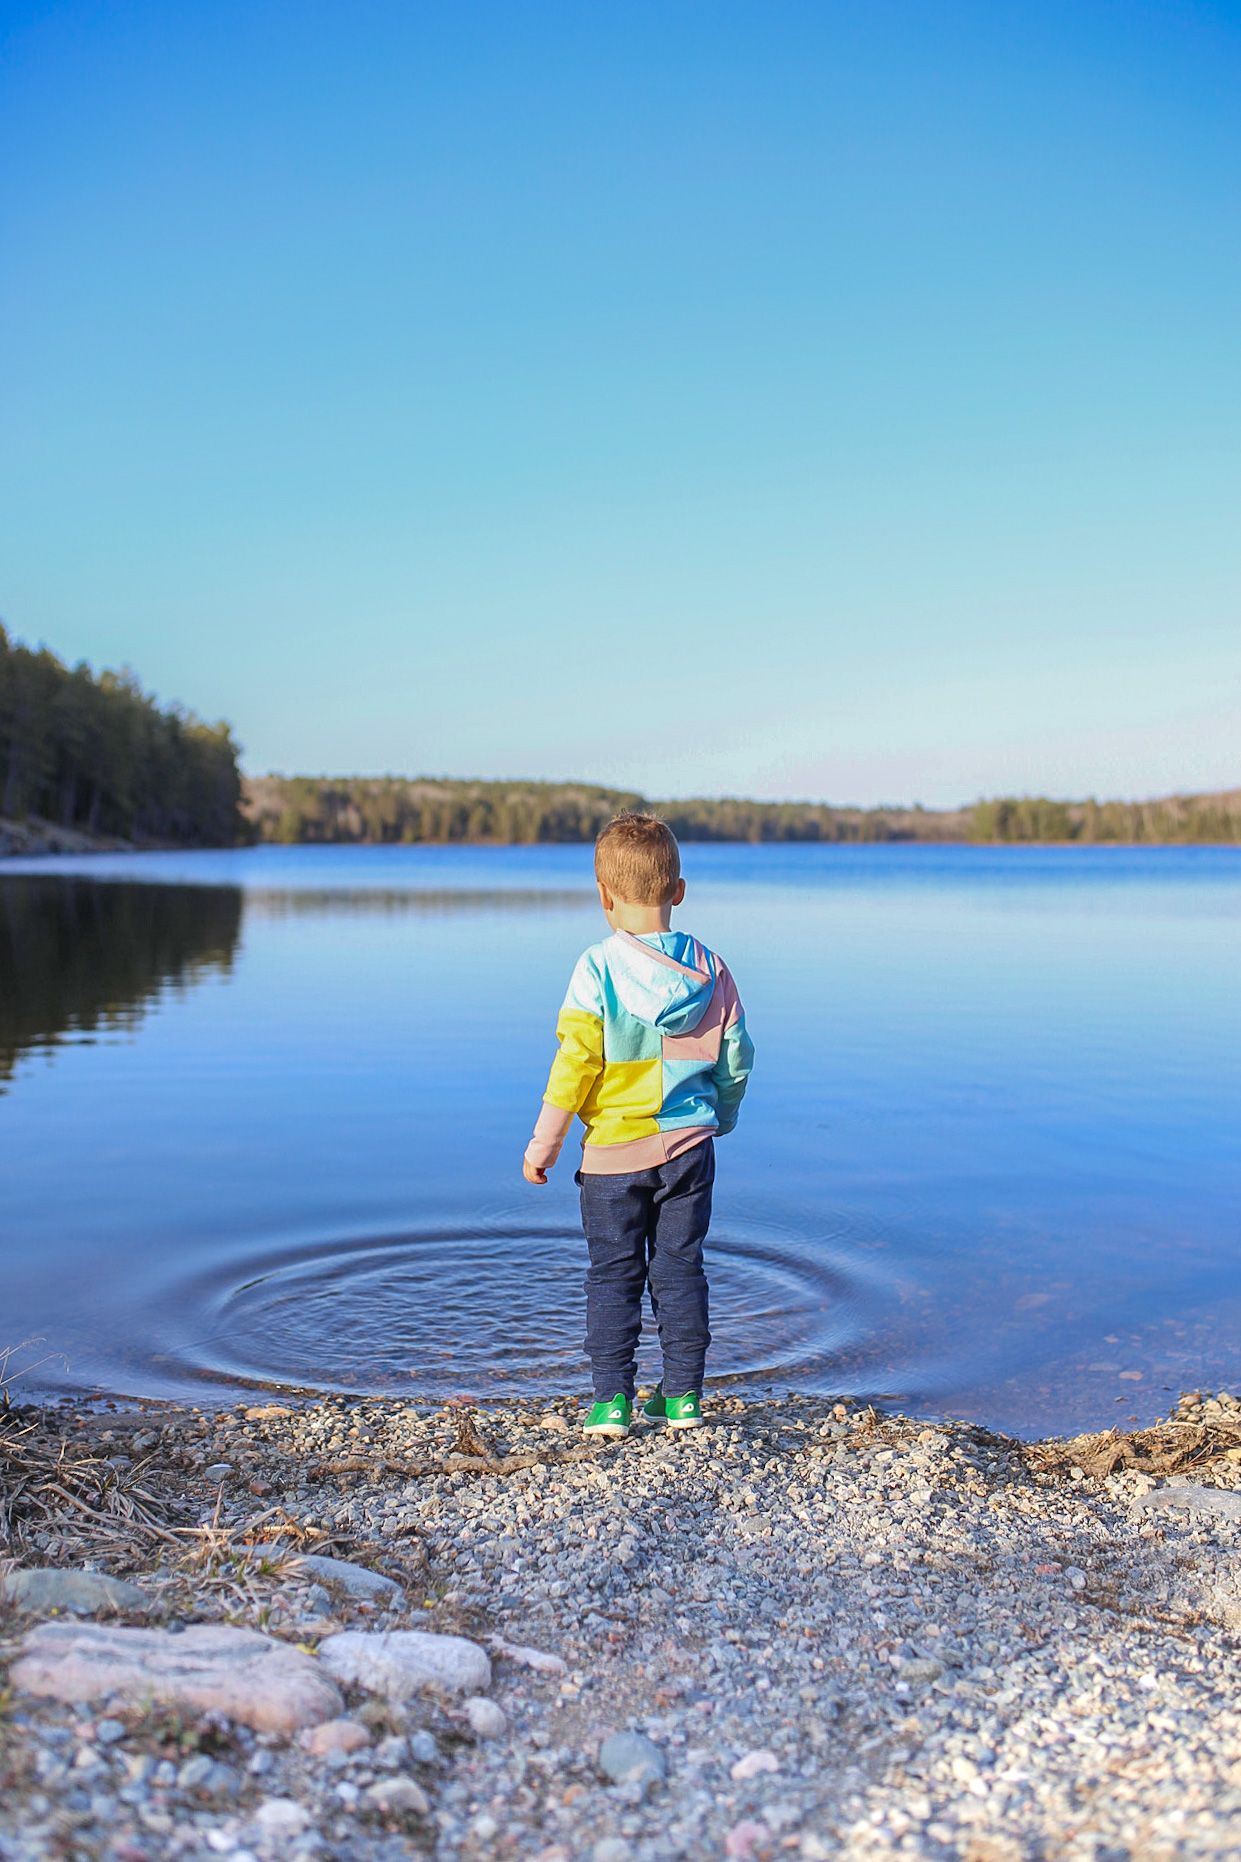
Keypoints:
pixel 76 1497
pixel 10 1372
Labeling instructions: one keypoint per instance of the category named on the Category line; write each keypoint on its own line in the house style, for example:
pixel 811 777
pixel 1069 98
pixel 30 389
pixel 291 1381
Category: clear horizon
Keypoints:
pixel 779 401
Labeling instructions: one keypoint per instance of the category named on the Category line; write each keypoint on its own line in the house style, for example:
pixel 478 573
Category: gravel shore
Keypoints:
pixel 805 1630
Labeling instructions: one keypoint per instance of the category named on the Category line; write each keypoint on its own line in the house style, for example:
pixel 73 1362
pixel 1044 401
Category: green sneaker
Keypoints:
pixel 683 1412
pixel 611 1416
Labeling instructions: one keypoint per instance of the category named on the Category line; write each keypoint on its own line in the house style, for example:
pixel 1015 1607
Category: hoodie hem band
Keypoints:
pixel 610 1160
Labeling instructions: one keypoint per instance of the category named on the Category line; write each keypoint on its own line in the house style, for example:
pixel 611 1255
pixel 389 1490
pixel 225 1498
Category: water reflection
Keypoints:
pixel 76 957
pixel 281 902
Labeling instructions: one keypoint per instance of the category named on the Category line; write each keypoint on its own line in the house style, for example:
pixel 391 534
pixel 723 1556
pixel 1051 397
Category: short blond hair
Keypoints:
pixel 637 859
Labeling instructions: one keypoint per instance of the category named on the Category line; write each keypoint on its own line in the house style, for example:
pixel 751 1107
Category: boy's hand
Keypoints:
pixel 532 1173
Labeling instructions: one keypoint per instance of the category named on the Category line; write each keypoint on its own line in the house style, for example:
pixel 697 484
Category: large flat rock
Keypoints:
pixel 37 1588
pixel 397 1662
pixel 208 1668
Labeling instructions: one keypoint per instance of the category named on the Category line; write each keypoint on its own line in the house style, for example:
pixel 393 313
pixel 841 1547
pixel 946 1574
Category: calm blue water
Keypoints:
pixel 262 1116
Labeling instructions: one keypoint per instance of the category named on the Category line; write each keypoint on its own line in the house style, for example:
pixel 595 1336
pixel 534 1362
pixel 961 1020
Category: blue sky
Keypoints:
pixel 837 400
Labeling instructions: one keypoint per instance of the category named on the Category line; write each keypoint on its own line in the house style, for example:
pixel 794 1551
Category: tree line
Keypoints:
pixel 96 753
pixel 398 809
pixel 1171 819
pixel 296 809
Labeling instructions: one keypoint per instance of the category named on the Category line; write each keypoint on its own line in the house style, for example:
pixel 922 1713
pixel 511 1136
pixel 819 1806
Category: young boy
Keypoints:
pixel 654 1057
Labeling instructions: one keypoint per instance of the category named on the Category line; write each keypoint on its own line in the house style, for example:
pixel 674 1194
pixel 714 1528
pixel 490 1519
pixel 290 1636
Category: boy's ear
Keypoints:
pixel 679 894
pixel 605 897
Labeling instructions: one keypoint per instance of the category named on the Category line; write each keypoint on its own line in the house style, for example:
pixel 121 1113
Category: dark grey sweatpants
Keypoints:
pixel 646 1229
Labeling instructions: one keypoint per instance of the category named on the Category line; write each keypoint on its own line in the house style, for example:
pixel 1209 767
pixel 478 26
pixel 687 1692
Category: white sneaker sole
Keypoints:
pixel 613 1429
pixel 689 1422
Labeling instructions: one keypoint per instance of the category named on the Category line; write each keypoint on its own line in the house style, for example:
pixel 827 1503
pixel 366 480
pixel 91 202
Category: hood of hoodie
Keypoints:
pixel 666 978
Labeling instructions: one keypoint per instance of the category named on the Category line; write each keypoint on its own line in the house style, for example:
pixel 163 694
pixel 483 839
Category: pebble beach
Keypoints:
pixel 366 1630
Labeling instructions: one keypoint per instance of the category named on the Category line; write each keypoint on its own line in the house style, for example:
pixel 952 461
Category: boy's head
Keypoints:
pixel 638 862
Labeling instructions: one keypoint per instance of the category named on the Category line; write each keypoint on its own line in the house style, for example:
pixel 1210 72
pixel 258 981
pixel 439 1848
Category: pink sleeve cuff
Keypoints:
pixel 550 1130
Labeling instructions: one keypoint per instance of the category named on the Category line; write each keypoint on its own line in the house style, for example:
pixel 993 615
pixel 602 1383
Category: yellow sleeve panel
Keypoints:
pixel 580 1061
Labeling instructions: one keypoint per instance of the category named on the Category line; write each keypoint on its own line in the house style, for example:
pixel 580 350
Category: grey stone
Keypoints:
pixel 206 1777
pixel 279 1818
pixel 611 1849
pixel 1218 1502
pixel 354 1580
pixel 537 1659
pixel 400 1797
pixel 625 1757
pixel 919 1673
pixel 422 1747
pixel 207 1668
pixel 83 1593
pixel 486 1719
pixel 750 1764
pixel 398 1662
pixel 334 1738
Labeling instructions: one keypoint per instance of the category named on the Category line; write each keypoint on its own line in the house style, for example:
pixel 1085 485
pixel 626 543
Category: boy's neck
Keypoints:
pixel 641 920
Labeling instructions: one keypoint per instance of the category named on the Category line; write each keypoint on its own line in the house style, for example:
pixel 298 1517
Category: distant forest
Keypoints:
pixel 1171 818
pixel 392 808
pixel 96 753
pixel 399 809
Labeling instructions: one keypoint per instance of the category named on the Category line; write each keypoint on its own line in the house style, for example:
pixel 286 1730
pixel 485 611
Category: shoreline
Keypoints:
pixel 42 840
pixel 809 1629
pixel 38 839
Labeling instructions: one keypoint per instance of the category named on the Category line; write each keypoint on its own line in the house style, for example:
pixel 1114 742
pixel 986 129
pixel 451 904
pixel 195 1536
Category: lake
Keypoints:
pixel 262 1116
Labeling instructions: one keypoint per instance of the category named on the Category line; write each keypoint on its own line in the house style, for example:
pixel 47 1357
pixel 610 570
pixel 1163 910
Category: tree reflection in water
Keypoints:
pixel 77 957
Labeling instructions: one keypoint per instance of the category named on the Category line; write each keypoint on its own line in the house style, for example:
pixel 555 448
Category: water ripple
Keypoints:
pixel 494 1309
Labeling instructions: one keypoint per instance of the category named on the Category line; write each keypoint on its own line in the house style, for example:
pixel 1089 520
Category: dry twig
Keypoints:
pixel 52 1490
pixel 1173 1446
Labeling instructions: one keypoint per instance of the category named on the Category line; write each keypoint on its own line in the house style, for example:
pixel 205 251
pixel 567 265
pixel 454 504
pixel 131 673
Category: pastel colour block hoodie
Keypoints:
pixel 654 1054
